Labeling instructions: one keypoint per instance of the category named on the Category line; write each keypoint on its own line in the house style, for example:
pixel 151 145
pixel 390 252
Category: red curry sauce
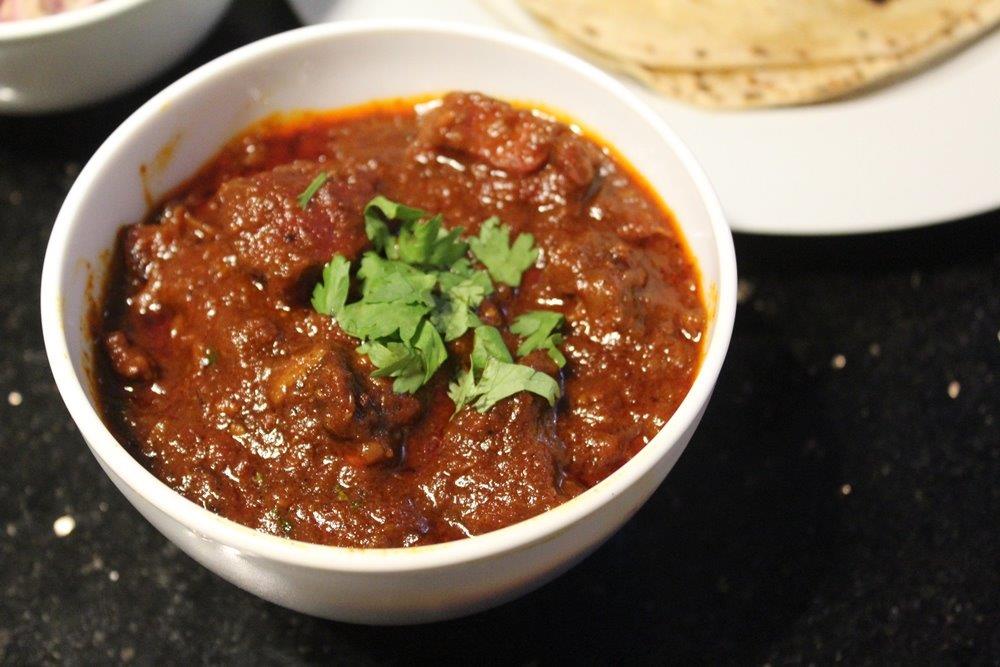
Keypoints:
pixel 223 381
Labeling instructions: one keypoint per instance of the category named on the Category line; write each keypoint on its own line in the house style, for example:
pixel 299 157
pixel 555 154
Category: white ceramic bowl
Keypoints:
pixel 331 66
pixel 64 60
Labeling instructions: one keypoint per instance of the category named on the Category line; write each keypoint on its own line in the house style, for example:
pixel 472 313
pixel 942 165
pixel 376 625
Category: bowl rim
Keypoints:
pixel 66 20
pixel 251 542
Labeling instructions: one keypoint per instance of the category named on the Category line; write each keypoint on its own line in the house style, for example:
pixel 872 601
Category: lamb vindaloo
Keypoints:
pixel 221 374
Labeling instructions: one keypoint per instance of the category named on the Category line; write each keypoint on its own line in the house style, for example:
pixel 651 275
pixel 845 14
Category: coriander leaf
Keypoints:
pixel 392 359
pixel 378 233
pixel 410 376
pixel 390 210
pixel 408 384
pixel 419 289
pixel 492 377
pixel 385 209
pixel 454 313
pixel 463 390
pixel 389 281
pixel 330 293
pixel 501 379
pixel 448 249
pixel 413 363
pixel 506 263
pixel 461 271
pixel 555 354
pixel 312 189
pixel 452 318
pixel 537 328
pixel 428 244
pixel 487 344
pixel 380 320
pixel 462 267
pixel 380 211
pixel 472 290
pixel 416 240
pixel 448 280
pixel 428 342
pixel 421 239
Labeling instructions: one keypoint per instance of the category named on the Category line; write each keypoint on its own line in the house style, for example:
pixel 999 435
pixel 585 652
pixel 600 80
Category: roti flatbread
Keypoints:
pixel 761 86
pixel 726 34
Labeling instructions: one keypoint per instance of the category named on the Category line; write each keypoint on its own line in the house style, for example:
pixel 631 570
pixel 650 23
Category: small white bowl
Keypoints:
pixel 83 55
pixel 330 66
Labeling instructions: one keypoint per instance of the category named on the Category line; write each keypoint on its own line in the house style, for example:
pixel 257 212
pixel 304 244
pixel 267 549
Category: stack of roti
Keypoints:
pixel 750 53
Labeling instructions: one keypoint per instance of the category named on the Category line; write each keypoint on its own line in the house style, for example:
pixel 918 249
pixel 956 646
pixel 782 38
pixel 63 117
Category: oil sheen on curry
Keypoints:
pixel 398 324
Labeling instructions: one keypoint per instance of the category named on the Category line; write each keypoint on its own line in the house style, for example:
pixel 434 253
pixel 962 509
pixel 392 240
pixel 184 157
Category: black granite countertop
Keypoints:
pixel 840 502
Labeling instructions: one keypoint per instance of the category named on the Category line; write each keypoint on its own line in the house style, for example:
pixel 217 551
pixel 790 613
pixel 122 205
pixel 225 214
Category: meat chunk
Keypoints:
pixel 128 360
pixel 278 238
pixel 576 158
pixel 503 137
pixel 536 160
pixel 385 410
pixel 541 362
pixel 318 384
pixel 253 337
pixel 572 176
pixel 291 373
pixel 146 244
pixel 496 468
pixel 629 211
pixel 603 280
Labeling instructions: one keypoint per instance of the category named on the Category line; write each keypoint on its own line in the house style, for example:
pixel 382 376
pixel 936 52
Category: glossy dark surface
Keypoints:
pixel 222 379
pixel 819 514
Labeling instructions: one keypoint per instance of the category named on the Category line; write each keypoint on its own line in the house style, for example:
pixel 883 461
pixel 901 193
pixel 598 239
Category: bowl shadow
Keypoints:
pixel 724 556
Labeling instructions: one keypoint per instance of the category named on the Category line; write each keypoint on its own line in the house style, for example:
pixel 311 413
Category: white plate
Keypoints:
pixel 924 150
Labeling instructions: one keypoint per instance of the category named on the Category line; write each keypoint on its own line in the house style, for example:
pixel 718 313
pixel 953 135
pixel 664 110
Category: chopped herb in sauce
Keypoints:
pixel 505 262
pixel 492 376
pixel 538 327
pixel 287 433
pixel 312 189
pixel 419 289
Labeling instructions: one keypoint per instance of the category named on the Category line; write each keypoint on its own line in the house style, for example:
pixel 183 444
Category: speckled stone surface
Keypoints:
pixel 840 502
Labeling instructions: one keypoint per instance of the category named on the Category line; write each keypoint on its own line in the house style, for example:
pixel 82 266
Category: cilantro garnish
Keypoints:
pixel 411 364
pixel 505 262
pixel 421 240
pixel 501 380
pixel 492 377
pixel 537 327
pixel 418 289
pixel 312 189
pixel 330 295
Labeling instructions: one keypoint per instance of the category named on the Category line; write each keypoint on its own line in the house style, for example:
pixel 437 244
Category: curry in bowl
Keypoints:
pixel 398 324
